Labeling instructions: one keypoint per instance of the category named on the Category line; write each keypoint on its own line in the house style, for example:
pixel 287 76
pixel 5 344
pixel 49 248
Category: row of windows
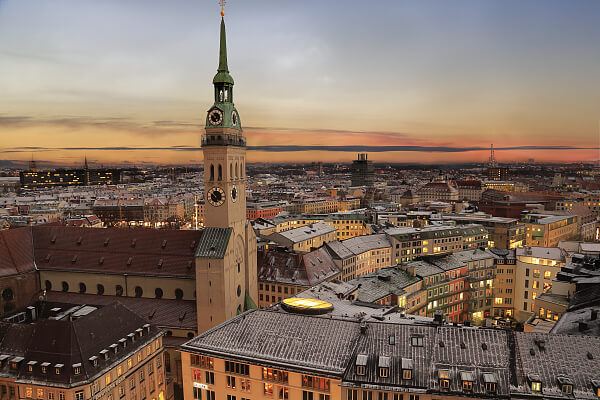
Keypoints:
pixel 119 291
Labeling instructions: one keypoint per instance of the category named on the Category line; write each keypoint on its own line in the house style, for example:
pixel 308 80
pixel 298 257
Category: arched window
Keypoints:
pixel 237 170
pixel 82 287
pixel 226 95
pixel 212 172
pixel 7 294
pixel 220 173
pixel 119 290
pixel 230 170
pixel 48 285
pixel 239 291
pixel 158 293
pixel 100 289
pixel 139 291
pixel 220 95
pixel 178 294
pixel 65 286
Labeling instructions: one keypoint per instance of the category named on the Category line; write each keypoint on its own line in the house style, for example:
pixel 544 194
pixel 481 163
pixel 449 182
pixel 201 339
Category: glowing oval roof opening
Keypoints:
pixel 306 306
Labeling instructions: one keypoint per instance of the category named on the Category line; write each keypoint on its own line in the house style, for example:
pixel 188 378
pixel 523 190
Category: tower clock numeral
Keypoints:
pixel 216 196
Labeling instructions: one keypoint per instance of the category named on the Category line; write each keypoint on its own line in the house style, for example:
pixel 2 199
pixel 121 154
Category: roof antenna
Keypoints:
pixel 222 4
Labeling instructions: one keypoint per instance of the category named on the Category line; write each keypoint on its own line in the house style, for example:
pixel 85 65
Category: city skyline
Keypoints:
pixel 129 82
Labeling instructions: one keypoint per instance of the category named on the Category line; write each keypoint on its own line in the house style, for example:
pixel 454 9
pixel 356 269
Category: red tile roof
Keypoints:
pixel 116 250
pixel 16 252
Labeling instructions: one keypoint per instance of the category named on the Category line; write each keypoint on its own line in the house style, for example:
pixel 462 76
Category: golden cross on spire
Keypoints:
pixel 222 3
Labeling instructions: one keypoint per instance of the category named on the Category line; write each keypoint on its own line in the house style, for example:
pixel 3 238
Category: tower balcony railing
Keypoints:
pixel 223 140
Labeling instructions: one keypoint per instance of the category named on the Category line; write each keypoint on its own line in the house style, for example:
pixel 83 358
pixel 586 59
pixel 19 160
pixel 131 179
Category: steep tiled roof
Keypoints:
pixel 214 242
pixel 549 356
pixel 72 341
pixel 307 269
pixel 164 313
pixel 394 341
pixel 299 342
pixel 477 351
pixel 16 252
pixel 116 250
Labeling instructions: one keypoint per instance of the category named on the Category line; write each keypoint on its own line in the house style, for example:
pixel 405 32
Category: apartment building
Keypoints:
pixel 438 191
pixel 361 255
pixel 548 230
pixel 536 268
pixel 305 238
pixel 64 351
pixel 287 354
pixel 469 190
pixel 504 233
pixel 504 282
pixel 410 243
pixel 283 274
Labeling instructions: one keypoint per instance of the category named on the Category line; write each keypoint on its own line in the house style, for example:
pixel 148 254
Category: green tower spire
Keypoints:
pixel 222 75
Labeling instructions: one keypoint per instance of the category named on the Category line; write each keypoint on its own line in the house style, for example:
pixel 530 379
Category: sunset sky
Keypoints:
pixel 129 81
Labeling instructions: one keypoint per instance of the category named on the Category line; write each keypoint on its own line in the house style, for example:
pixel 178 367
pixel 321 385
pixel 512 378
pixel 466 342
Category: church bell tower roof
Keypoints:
pixel 222 75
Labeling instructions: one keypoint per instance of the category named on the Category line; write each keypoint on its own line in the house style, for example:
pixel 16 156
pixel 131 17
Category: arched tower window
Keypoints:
pixel 220 95
pixel 212 172
pixel 220 173
pixel 237 170
pixel 230 170
pixel 226 95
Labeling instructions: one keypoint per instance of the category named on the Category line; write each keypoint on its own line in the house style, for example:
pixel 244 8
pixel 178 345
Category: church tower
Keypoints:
pixel 226 278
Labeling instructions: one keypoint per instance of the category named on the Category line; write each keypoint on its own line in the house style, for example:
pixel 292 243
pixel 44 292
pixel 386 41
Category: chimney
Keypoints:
pixel 593 315
pixel 363 327
pixel 438 317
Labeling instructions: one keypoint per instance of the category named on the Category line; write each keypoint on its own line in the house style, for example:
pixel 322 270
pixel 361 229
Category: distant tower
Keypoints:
pixel 492 161
pixel 32 164
pixel 362 171
pixel 86 168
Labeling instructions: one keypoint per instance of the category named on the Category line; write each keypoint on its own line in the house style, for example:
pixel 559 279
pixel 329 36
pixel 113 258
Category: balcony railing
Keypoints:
pixel 223 140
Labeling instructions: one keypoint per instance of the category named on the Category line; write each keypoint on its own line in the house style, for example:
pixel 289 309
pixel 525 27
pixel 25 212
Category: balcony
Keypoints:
pixel 223 140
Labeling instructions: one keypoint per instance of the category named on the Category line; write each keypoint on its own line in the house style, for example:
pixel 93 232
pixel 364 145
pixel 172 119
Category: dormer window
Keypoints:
pixel 490 382
pixel 444 377
pixel 131 336
pixel 139 331
pixel 596 386
pixel 123 342
pixel 384 366
pixel 104 354
pixel 361 364
pixel 16 362
pixel 467 379
pixel 566 384
pixel 58 368
pixel 77 369
pixel 94 360
pixel 114 347
pixel 407 369
pixel 30 365
pixel 535 383
pixel 44 367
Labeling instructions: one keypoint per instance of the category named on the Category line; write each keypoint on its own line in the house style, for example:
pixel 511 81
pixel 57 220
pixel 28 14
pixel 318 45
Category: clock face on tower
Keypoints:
pixel 216 196
pixel 215 117
pixel 234 194
pixel 234 118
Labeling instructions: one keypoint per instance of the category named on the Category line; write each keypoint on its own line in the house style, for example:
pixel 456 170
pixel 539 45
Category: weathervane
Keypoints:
pixel 222 4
